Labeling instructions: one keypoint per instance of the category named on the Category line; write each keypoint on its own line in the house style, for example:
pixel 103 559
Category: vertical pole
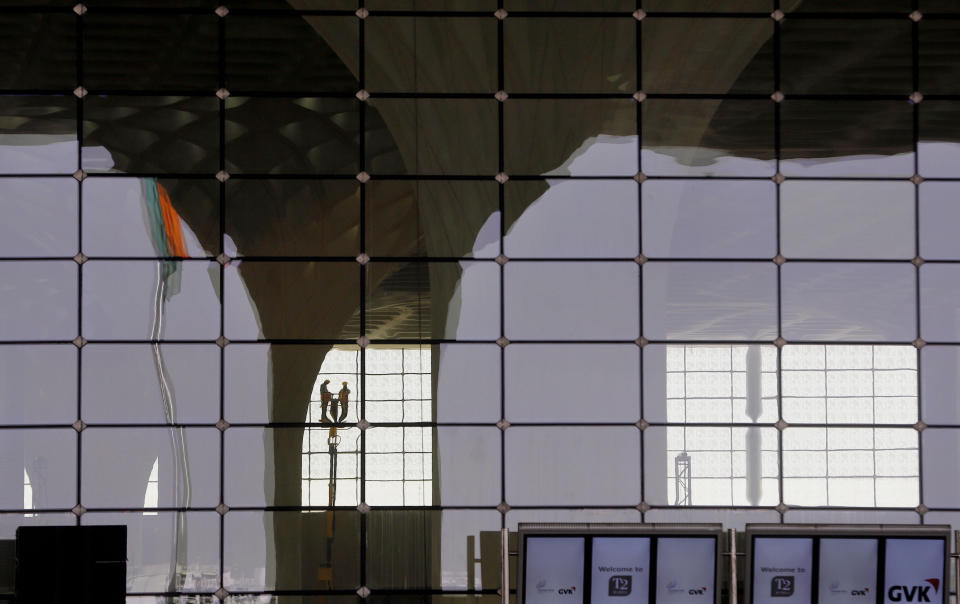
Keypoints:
pixel 505 566
pixel 732 533
pixel 471 561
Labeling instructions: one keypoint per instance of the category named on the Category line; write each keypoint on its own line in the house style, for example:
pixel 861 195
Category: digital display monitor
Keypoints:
pixel 847 564
pixel 554 570
pixel 622 565
pixel 620 571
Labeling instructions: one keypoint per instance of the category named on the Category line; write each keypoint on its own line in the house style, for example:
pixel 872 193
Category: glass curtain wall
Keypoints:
pixel 316 296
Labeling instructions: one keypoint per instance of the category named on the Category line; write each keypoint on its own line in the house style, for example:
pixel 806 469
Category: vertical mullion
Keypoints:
pixel 915 64
pixel 362 110
pixel 638 42
pixel 79 105
pixel 501 167
pixel 221 189
pixel 777 144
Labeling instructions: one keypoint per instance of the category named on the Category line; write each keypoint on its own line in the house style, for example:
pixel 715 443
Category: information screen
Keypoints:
pixel 848 571
pixel 621 570
pixel 914 571
pixel 847 564
pixel 686 569
pixel 670 566
pixel 782 570
pixel 554 570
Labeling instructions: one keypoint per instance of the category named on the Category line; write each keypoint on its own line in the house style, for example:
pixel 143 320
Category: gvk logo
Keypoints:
pixel 835 588
pixel 913 593
pixel 674 586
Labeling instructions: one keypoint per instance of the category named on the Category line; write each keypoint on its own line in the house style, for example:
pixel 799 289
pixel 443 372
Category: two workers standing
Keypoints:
pixel 343 399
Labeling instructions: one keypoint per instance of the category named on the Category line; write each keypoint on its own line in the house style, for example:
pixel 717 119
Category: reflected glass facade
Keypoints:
pixel 317 296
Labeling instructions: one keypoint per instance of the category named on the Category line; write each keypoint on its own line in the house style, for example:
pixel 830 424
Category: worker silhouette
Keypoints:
pixel 344 395
pixel 325 398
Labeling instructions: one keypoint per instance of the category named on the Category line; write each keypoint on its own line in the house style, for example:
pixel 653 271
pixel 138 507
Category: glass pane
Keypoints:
pixel 126 300
pixel 399 384
pixel 443 218
pixel 847 219
pixel 538 387
pixel 940 384
pixel 849 384
pixel 580 137
pixel 51 65
pixel 705 137
pixel 708 5
pixel 251 481
pixel 292 217
pixel 849 138
pixel 421 300
pixel 312 555
pixel 883 66
pixel 302 4
pixel 39 134
pixel 802 516
pixel 464 469
pixel 710 300
pixel 38 384
pixel 281 382
pixel 852 6
pixel 160 52
pixel 939 48
pixel 851 467
pixel 939 153
pixel 939 446
pixel 715 219
pixel 10 522
pixel 118 464
pixel 147 384
pixel 407 542
pixel 849 301
pixel 746 67
pixel 40 217
pixel 548 221
pixel 291 135
pixel 276 300
pixel 586 55
pixel 945 6
pixel 38 300
pixel 39 469
pixel 279 52
pixel 938 209
pixel 431 54
pixel 558 466
pixel 710 466
pixel 579 5
pixel 168 548
pixel 731 519
pixel 571 300
pixel 939 292
pixel 701 383
pixel 468 383
pixel 436 136
pixel 451 5
pixel 151 134
pixel 593 515
pixel 146 217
